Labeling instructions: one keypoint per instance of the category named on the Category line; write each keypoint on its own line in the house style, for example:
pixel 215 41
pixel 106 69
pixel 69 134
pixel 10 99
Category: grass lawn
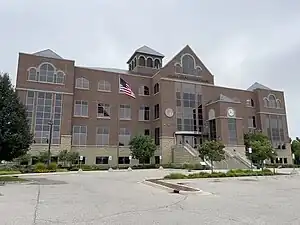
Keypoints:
pixel 12 179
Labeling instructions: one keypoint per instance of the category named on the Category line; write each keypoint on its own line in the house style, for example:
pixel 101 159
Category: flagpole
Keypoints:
pixel 118 122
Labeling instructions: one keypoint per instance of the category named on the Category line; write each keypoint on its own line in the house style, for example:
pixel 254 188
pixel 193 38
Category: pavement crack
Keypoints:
pixel 36 205
pixel 141 210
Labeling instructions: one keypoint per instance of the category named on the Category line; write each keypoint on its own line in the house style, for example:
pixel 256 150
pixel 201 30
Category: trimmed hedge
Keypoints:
pixel 230 173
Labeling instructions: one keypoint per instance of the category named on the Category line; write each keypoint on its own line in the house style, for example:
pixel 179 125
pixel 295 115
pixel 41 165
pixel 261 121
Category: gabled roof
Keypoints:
pixel 146 50
pixel 48 53
pixel 224 98
pixel 257 85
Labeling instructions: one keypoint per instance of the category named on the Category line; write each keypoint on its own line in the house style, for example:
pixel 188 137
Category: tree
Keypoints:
pixel 142 147
pixel 73 157
pixel 15 135
pixel 213 151
pixel 63 157
pixel 68 157
pixel 23 159
pixel 295 146
pixel 43 157
pixel 262 148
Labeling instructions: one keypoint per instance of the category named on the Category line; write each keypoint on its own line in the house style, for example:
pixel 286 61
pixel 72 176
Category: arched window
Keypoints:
pixel 47 73
pixel 278 103
pixel 266 102
pixel 142 61
pixel 149 62
pixel 134 63
pixel 104 85
pixel 272 101
pixel 251 102
pixel 60 77
pixel 130 67
pixel 157 63
pixel 144 90
pixel 188 65
pixel 82 83
pixel 156 88
pixel 32 75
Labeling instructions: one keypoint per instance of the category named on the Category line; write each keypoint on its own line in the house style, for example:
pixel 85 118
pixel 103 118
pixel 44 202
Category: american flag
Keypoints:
pixel 125 88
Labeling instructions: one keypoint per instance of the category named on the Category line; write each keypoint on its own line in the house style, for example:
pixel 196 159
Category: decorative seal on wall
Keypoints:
pixel 230 112
pixel 169 112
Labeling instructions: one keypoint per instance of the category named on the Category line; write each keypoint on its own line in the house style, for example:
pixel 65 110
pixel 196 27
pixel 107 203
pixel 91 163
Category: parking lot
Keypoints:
pixel 120 197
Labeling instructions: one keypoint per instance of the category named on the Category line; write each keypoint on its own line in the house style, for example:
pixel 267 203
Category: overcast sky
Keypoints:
pixel 240 41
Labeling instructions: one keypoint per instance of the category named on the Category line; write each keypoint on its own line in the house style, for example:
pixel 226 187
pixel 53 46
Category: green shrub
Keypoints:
pixel 40 168
pixel 52 166
pixel 176 176
pixel 230 173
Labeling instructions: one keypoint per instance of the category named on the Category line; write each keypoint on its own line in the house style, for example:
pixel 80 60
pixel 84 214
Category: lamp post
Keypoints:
pixel 250 154
pixel 50 123
pixel 293 157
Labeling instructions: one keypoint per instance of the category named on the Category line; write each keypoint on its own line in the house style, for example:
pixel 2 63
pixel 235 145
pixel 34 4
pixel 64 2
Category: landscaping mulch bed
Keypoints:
pixel 172 186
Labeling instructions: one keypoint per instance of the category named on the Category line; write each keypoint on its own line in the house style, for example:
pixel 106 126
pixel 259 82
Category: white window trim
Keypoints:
pixel 101 90
pixel 80 133
pixel 37 70
pixel 82 79
pixel 102 134
pixel 81 104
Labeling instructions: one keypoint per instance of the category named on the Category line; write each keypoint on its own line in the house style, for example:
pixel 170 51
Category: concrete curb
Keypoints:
pixel 198 191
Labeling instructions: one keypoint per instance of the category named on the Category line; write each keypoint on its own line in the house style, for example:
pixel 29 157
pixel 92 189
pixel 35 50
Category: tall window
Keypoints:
pixel 124 137
pixel 144 91
pixel 79 135
pixel 44 107
pixel 30 106
pixel 102 136
pixel 232 138
pixel 275 134
pixel 104 85
pixel 212 129
pixel 81 108
pixel 82 83
pixel 156 111
pixel 157 136
pixel 103 110
pixel 251 122
pixel 43 117
pixel 156 88
pixel 189 107
pixel 144 113
pixel 188 65
pixel 57 119
pixel 125 112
